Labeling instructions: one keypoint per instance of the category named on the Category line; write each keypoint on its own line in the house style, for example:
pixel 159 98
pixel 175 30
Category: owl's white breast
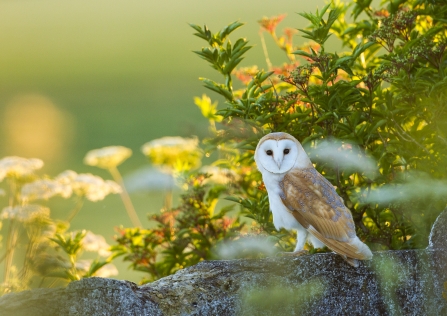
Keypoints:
pixel 281 216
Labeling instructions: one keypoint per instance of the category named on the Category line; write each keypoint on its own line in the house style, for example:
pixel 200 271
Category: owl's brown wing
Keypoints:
pixel 316 205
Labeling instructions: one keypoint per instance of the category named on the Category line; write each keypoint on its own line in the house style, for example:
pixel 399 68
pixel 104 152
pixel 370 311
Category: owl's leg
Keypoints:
pixel 301 236
pixel 316 243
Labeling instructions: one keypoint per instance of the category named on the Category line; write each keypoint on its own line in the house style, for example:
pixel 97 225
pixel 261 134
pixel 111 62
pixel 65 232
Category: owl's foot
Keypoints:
pixel 353 262
pixel 294 254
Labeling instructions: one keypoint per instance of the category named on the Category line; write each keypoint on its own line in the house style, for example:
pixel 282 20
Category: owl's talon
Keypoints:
pixel 294 253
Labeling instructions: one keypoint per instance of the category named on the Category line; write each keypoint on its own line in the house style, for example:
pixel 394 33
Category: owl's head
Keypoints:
pixel 280 152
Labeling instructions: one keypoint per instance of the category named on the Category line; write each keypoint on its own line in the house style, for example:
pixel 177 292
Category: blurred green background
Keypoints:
pixel 81 75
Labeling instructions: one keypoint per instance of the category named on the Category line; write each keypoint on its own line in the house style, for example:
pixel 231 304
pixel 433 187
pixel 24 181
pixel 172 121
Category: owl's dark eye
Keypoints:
pixel 286 151
pixel 269 152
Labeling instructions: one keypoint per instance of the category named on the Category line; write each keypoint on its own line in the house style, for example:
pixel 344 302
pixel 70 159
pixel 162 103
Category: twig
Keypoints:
pixel 409 139
pixel 126 198
pixel 264 48
pixel 76 209
pixel 11 246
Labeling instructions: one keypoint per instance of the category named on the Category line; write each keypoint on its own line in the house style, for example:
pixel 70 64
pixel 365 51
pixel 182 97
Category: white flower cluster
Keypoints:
pixel 45 189
pixel 68 182
pixel 174 152
pixel 26 213
pixel 106 271
pixel 96 243
pixel 92 187
pixel 220 175
pixel 17 167
pixel 107 157
pixel 171 142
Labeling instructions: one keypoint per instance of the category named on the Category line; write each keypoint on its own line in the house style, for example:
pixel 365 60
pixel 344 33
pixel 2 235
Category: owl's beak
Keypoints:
pixel 278 163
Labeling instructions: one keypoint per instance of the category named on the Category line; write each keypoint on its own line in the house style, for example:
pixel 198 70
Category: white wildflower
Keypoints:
pixel 17 167
pixel 106 271
pixel 246 245
pixel 107 157
pixel 49 230
pixel 66 177
pixel 25 213
pixel 220 175
pixel 173 152
pixel 82 265
pixel 148 179
pixel 45 189
pixel 96 243
pixel 94 188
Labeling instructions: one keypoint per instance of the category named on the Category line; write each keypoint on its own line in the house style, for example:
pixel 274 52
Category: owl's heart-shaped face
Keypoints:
pixel 277 156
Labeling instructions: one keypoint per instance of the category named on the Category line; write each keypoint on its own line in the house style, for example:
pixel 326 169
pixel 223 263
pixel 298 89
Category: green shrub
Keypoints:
pixel 183 236
pixel 379 104
pixel 382 98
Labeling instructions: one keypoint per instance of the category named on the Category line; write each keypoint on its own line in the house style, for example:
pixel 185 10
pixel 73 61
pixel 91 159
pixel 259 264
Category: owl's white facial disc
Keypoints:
pixel 277 156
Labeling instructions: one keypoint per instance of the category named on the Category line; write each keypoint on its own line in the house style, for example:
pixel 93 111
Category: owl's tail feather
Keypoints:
pixel 348 250
pixel 353 262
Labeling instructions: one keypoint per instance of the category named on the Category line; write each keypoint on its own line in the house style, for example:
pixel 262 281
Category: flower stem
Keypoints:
pixel 126 198
pixel 266 54
pixel 74 271
pixel 34 232
pixel 11 241
pixel 11 245
pixel 12 192
pixel 76 209
pixel 168 200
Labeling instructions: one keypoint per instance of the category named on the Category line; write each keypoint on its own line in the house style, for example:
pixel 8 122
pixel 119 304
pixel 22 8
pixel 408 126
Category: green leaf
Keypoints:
pixel 360 48
pixel 378 124
pixel 94 267
pixel 234 199
pixel 228 30
pixel 221 89
pixel 302 53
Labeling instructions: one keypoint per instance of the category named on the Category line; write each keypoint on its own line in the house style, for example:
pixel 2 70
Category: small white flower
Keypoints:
pixel 92 187
pixel 17 167
pixel 219 175
pixel 174 152
pixel 96 243
pixel 66 177
pixel 107 271
pixel 82 265
pixel 49 230
pixel 45 189
pixel 107 157
pixel 171 142
pixel 25 213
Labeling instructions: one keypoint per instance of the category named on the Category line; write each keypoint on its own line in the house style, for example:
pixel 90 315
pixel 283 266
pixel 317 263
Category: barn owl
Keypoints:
pixel 302 199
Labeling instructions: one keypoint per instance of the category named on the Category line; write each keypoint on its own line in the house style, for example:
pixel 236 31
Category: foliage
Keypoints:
pixel 39 251
pixel 183 236
pixel 371 117
pixel 382 99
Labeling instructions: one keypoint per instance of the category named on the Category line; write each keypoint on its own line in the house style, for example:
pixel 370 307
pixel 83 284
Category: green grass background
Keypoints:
pixel 119 73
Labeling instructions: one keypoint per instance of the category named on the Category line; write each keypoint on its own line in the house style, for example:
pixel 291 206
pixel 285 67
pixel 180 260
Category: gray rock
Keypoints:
pixel 406 282
pixel 438 234
pixel 93 296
